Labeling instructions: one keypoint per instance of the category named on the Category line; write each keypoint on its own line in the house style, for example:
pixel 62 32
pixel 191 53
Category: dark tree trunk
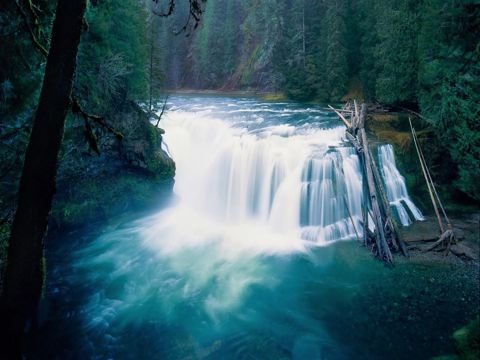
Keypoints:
pixel 24 270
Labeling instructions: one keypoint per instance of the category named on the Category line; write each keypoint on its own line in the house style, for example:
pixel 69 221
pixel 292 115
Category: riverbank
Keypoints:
pixel 420 236
pixel 263 95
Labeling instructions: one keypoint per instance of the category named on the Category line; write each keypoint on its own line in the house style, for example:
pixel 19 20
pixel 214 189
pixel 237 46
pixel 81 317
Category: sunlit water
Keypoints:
pixel 255 258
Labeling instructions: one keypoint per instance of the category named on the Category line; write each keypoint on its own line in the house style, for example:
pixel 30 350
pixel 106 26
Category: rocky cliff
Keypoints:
pixel 129 174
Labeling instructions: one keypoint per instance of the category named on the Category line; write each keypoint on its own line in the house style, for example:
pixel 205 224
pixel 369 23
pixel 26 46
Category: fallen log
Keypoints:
pixel 396 239
pixel 345 121
pixel 382 245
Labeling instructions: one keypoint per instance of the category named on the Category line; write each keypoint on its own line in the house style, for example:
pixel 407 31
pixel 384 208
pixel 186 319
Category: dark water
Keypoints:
pixel 185 283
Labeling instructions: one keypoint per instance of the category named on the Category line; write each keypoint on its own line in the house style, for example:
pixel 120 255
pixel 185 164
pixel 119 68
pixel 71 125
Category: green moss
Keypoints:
pixel 98 199
pixel 153 135
pixel 161 166
pixel 74 213
pixel 467 340
pixel 274 97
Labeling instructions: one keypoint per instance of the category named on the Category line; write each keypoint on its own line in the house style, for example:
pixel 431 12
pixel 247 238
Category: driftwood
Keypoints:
pixel 447 237
pixel 430 191
pixel 382 246
pixel 390 224
pixel 376 206
pixel 345 121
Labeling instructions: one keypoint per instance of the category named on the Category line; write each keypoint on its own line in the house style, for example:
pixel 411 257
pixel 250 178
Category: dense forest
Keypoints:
pixel 423 55
pixel 86 90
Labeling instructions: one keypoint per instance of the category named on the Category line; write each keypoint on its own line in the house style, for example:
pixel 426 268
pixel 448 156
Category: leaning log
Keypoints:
pixel 396 239
pixel 381 242
pixel 345 121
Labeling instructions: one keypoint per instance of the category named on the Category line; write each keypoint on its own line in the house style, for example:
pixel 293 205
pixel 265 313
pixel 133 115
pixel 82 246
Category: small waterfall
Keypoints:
pixel 329 184
pixel 395 186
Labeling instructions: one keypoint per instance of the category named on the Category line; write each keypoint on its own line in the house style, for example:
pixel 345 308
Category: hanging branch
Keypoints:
pixel 91 137
pixel 171 7
pixel 31 32
pixel 195 12
pixel 14 131
pixel 161 113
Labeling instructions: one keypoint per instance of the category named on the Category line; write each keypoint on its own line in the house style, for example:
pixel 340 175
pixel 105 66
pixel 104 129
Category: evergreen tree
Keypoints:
pixel 395 52
pixel 336 72
pixel 449 76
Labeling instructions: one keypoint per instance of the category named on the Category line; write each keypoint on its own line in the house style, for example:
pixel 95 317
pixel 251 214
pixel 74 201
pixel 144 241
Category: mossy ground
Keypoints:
pixel 99 199
pixel 274 97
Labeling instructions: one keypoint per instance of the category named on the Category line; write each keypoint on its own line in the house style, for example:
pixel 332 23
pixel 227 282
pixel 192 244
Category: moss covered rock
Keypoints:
pixel 129 174
pixel 467 340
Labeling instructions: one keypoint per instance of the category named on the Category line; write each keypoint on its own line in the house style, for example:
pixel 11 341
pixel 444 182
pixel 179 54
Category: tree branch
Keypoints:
pixel 92 139
pixel 34 39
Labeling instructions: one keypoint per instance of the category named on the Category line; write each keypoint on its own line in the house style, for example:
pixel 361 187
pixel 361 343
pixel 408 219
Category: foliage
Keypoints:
pixel 449 86
pixel 113 55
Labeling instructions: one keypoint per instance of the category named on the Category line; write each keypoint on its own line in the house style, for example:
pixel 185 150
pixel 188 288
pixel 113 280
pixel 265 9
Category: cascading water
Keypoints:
pixel 299 180
pixel 395 186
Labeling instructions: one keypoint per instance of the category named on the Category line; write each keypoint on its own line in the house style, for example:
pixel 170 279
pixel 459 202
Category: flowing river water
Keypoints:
pixel 256 256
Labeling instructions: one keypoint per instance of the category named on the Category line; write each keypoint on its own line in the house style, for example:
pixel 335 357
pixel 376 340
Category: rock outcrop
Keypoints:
pixel 129 174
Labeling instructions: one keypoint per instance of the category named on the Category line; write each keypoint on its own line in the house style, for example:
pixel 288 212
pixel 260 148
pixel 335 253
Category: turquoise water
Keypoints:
pixel 232 269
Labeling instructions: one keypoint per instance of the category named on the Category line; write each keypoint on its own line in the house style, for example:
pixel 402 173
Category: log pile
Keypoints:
pixel 376 211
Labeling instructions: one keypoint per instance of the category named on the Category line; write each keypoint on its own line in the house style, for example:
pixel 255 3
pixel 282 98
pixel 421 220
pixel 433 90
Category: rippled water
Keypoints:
pixel 251 258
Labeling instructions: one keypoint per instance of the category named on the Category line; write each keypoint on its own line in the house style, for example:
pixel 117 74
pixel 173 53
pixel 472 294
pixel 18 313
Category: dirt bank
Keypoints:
pixel 420 235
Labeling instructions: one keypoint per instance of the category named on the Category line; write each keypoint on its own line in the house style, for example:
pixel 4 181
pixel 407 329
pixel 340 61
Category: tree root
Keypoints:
pixel 445 239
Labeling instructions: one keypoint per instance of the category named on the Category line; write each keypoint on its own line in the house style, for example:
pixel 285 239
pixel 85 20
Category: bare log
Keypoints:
pixel 388 212
pixel 345 121
pixel 432 184
pixel 430 191
pixel 383 248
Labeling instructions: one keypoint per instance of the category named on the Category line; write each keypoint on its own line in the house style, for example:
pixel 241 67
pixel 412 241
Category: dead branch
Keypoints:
pixel 161 113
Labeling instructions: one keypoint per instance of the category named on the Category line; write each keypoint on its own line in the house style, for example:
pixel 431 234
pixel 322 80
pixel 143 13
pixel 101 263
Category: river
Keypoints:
pixel 255 257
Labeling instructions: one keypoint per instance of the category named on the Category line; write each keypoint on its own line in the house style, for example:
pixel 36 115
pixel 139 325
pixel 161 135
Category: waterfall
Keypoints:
pixel 395 186
pixel 249 167
pixel 295 180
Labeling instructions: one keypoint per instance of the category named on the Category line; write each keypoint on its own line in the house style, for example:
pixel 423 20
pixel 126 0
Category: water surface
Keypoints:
pixel 255 258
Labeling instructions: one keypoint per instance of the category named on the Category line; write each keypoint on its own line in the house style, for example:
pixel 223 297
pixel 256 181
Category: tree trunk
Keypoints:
pixel 24 270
